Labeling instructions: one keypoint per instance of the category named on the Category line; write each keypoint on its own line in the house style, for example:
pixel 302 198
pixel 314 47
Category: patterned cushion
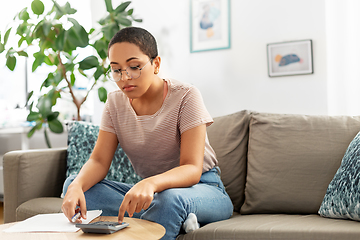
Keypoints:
pixel 81 141
pixel 342 198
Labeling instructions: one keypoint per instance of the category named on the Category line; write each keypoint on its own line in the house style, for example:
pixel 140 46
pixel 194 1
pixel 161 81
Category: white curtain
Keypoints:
pixel 343 56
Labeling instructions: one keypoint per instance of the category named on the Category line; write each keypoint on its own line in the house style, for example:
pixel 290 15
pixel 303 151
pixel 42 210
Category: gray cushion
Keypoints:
pixel 228 135
pixel 38 206
pixel 292 159
pixel 342 199
pixel 277 226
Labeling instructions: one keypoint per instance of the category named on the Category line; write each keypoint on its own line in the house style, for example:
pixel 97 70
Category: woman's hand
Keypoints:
pixel 74 201
pixel 139 197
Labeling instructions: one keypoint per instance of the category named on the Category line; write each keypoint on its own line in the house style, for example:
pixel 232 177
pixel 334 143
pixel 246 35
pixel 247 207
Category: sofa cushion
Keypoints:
pixel 342 199
pixel 292 159
pixel 38 206
pixel 82 137
pixel 228 136
pixel 276 226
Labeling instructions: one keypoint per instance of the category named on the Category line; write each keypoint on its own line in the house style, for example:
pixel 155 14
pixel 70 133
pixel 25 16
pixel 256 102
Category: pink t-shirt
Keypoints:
pixel 152 142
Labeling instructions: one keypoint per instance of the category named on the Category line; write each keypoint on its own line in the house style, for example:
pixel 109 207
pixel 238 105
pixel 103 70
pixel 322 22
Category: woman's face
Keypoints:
pixel 123 55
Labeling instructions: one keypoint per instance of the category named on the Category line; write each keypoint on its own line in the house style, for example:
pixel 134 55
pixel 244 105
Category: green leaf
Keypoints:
pixel 6 37
pixel 22 53
pixel 33 116
pixel 53 116
pixel 47 82
pixel 99 71
pixel 10 52
pixel 123 21
pixel 46 27
pixel 47 139
pixel 109 6
pixel 57 77
pixel 28 97
pixel 39 31
pixel 39 59
pixel 56 126
pixel 137 20
pixel 60 40
pixel 24 15
pixel 110 30
pixel 58 10
pixel 104 20
pixel 72 79
pixel 77 35
pixel 11 62
pixel 130 12
pixel 68 10
pixel 48 61
pixel 22 28
pixel 82 72
pixel 38 126
pixel 101 48
pixel 37 7
pixel 2 47
pixel 21 40
pixel 29 40
pixel 122 7
pixel 44 105
pixel 89 62
pixel 31 132
pixel 102 94
pixel 69 66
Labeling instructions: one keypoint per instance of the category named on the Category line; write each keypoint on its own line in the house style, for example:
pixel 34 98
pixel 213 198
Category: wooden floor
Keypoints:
pixel 1 213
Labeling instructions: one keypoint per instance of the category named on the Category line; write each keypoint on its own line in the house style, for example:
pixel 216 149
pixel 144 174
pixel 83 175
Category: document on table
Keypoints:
pixel 54 222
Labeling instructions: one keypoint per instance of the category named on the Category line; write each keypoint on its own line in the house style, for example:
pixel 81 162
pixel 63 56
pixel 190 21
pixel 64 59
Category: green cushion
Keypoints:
pixel 82 137
pixel 342 198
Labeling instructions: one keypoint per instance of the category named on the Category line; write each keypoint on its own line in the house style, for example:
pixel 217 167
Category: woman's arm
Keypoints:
pixel 187 174
pixel 93 171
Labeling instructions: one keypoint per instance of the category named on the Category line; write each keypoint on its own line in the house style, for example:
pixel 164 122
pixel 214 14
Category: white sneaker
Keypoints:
pixel 190 223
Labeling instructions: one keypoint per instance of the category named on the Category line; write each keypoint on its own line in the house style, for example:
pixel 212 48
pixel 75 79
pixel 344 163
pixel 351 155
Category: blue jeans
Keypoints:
pixel 207 199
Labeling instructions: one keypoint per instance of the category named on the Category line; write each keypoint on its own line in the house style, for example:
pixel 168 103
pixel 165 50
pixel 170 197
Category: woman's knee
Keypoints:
pixel 67 182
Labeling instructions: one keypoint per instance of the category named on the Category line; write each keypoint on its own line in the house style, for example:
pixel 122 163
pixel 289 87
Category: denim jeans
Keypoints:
pixel 207 200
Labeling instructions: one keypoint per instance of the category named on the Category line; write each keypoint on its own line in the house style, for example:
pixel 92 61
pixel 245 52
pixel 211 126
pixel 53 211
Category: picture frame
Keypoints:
pixel 209 25
pixel 290 58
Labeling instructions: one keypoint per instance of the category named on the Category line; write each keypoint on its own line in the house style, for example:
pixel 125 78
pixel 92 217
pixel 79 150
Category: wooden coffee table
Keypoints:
pixel 138 229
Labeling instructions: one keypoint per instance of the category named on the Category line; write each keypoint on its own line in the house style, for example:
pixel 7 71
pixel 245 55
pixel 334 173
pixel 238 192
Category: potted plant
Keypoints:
pixel 57 45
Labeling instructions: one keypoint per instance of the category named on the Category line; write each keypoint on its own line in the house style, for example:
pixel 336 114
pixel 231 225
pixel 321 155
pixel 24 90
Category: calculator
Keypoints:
pixel 102 227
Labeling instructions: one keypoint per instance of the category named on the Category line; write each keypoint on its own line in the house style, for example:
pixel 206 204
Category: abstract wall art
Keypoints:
pixel 209 25
pixel 290 58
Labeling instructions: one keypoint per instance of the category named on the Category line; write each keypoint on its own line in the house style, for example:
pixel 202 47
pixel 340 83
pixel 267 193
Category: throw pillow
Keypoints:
pixel 342 198
pixel 82 137
pixel 228 136
pixel 292 159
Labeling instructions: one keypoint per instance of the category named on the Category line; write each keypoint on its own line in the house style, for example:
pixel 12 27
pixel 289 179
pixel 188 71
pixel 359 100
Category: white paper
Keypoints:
pixel 54 222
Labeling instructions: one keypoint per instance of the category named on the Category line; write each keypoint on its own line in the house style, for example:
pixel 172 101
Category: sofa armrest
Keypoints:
pixel 32 174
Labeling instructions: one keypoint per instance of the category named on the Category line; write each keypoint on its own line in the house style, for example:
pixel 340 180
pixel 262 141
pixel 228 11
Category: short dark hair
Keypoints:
pixel 138 36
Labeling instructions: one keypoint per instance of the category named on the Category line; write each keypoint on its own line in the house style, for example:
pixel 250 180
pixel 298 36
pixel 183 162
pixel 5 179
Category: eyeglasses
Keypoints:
pixel 115 75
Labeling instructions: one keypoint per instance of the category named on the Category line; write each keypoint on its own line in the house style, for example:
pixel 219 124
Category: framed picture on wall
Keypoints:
pixel 209 25
pixel 290 58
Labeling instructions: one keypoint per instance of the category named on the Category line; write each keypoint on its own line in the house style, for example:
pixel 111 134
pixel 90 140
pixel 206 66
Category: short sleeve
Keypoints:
pixel 106 122
pixel 193 112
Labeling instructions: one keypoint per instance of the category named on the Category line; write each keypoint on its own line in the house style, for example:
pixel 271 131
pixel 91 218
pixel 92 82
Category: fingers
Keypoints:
pixel 73 205
pixel 83 208
pixel 132 204
pixel 122 210
pixel 68 207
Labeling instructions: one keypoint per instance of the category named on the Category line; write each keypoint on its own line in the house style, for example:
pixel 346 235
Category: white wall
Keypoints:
pixel 235 79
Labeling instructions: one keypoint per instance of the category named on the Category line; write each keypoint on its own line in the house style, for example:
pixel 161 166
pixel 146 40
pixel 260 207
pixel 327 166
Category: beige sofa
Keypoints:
pixel 276 169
